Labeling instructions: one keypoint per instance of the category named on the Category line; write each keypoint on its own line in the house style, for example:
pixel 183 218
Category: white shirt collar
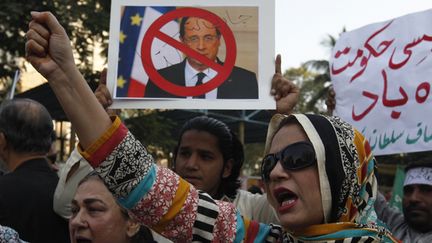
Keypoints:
pixel 191 79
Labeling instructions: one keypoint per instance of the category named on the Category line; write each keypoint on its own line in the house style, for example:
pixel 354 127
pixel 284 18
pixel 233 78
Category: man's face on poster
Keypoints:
pixel 202 36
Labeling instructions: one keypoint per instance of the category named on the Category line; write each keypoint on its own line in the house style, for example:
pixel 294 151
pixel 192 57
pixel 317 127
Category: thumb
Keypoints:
pixel 49 20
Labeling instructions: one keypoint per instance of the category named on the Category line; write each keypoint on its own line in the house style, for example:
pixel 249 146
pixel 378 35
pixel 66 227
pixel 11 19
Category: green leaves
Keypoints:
pixel 86 22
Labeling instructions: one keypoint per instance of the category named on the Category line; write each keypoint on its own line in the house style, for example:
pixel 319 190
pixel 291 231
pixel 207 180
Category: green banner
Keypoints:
pixel 397 193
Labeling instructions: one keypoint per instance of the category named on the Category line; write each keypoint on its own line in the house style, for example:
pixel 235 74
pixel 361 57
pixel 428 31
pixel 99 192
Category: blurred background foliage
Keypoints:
pixel 87 24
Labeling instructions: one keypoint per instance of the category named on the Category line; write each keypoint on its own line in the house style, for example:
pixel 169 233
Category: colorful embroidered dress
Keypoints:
pixel 168 204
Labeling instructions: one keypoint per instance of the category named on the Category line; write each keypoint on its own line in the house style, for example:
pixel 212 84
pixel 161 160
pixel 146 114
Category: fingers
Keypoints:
pixel 282 87
pixel 102 93
pixel 103 77
pixel 113 112
pixel 37 40
pixel 278 63
pixel 48 19
pixel 104 100
pixel 33 48
pixel 331 99
pixel 41 30
pixel 39 34
pixel 332 93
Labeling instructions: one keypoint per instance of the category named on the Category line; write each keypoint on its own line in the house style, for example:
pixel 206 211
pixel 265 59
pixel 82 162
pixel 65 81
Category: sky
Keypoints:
pixel 301 25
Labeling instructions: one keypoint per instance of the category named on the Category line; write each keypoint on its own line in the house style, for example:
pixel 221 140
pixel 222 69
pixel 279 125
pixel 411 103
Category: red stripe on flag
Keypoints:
pixel 136 88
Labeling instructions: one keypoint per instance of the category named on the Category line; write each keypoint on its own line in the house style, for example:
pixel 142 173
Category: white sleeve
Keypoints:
pixel 68 184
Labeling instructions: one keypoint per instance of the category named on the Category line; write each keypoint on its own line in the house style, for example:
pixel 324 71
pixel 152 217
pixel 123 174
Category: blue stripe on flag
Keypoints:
pixel 127 48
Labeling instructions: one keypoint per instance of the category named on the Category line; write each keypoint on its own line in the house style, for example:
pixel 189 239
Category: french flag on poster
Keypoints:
pixel 131 76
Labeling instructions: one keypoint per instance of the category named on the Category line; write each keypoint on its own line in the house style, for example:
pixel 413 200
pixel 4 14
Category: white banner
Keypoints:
pixel 382 74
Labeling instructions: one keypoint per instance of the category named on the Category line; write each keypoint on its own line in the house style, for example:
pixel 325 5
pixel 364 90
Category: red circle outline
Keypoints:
pixel 223 72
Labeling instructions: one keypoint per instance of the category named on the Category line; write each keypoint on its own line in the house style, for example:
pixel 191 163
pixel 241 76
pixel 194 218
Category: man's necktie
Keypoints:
pixel 199 82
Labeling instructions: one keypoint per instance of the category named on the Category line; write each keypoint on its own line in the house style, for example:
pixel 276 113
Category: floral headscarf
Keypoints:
pixel 343 155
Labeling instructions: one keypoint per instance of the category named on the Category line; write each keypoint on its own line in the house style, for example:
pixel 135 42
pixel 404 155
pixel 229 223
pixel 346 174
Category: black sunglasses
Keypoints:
pixel 295 156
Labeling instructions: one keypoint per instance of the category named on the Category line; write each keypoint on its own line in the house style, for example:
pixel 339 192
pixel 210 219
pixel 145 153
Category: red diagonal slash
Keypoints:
pixel 223 71
pixel 189 51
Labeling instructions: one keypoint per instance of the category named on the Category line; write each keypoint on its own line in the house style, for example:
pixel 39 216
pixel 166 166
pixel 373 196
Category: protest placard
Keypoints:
pixel 152 65
pixel 381 75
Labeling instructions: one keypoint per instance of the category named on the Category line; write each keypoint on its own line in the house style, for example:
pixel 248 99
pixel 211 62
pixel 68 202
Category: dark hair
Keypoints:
pixel 229 145
pixel 53 136
pixel 27 125
pixel 254 189
pixel 183 27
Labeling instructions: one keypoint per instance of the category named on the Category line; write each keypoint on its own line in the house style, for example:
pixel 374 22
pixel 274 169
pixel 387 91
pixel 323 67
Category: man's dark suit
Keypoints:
pixel 26 203
pixel 241 84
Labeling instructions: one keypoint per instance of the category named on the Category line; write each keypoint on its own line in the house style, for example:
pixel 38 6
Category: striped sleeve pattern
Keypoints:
pixel 275 234
pixel 207 213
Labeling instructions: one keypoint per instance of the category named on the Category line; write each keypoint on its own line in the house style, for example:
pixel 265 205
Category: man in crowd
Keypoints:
pixel 52 154
pixel 203 37
pixel 26 192
pixel 414 224
pixel 210 156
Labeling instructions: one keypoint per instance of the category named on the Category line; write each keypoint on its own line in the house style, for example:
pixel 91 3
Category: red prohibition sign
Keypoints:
pixel 223 71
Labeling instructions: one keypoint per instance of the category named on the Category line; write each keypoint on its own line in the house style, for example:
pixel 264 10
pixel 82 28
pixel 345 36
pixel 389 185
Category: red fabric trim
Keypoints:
pixel 252 231
pixel 136 88
pixel 108 146
pixel 368 149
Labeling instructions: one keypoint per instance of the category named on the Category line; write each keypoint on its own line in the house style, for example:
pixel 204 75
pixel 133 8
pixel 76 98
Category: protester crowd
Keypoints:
pixel 318 173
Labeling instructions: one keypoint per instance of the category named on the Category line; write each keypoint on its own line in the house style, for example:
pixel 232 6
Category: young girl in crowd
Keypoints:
pixel 319 172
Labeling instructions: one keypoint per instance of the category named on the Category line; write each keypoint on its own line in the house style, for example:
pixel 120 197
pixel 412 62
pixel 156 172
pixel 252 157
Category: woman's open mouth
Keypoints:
pixel 80 239
pixel 286 199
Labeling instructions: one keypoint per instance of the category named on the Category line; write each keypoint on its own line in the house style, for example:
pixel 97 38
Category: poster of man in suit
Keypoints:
pixel 206 57
pixel 205 38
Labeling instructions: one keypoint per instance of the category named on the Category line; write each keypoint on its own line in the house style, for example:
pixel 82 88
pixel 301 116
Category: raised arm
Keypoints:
pixel 48 50
pixel 156 196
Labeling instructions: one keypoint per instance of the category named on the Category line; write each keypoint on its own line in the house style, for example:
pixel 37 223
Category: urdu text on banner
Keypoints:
pixel 382 76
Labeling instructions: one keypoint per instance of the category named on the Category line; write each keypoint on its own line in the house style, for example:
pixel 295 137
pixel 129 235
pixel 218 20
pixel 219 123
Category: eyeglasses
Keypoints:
pixel 293 157
pixel 207 39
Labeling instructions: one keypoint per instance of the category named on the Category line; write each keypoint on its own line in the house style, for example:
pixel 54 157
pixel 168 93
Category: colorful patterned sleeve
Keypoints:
pixel 162 200
pixel 8 235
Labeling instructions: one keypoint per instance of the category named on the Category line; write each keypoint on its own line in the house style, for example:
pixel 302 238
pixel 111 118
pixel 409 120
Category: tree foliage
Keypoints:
pixel 313 78
pixel 87 24
pixel 253 158
pixel 314 84
pixel 153 130
pixel 85 21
